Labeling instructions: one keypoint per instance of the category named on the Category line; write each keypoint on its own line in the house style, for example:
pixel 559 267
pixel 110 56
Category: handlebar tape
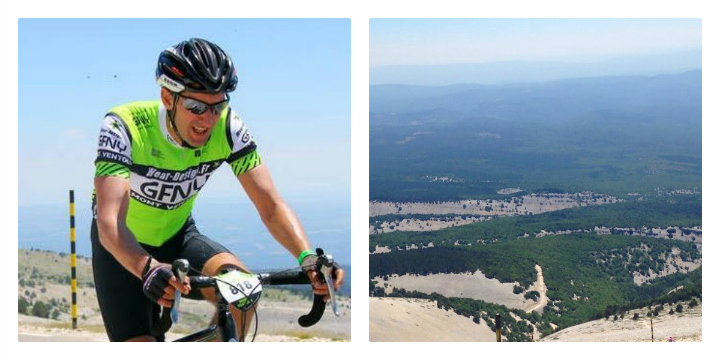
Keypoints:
pixel 285 278
pixel 318 309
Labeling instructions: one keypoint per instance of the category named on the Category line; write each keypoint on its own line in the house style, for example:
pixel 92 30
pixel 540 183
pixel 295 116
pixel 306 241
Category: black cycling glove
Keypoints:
pixel 311 263
pixel 155 281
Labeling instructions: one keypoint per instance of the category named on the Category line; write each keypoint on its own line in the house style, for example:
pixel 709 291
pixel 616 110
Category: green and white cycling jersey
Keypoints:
pixel 165 177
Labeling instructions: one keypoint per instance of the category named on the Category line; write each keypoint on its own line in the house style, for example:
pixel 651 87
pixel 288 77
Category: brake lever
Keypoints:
pixel 325 264
pixel 180 268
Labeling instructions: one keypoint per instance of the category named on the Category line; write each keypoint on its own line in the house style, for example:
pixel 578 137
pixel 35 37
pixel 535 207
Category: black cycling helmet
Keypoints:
pixel 196 65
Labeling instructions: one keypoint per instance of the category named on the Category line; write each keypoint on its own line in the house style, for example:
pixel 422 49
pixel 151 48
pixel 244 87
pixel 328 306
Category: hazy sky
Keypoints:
pixel 448 41
pixel 294 95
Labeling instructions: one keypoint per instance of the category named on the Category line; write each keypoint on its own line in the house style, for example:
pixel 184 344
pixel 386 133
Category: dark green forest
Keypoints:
pixel 599 268
pixel 663 211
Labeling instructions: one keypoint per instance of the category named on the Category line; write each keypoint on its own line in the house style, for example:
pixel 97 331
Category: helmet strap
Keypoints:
pixel 171 117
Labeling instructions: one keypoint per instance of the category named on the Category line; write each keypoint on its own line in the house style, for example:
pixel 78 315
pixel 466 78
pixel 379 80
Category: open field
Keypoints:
pixel 534 203
pixel 685 326
pixel 469 285
pixel 401 319
pixel 411 224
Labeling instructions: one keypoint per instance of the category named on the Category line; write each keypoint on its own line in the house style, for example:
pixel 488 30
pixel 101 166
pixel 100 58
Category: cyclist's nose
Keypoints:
pixel 208 118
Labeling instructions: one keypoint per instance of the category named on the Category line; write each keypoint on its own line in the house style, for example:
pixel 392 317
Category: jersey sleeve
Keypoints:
pixel 243 155
pixel 114 149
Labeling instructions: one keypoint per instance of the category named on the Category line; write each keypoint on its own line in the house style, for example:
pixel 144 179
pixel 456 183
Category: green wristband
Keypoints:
pixel 305 254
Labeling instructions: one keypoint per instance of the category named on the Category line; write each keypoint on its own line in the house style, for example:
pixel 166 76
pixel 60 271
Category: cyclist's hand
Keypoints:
pixel 159 285
pixel 320 287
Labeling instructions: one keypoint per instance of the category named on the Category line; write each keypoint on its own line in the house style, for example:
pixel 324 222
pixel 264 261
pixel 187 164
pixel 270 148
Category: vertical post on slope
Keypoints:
pixel 532 333
pixel 73 263
pixel 652 331
pixel 497 326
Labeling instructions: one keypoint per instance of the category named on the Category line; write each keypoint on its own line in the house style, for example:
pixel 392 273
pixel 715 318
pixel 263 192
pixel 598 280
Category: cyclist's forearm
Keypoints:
pixel 120 242
pixel 286 228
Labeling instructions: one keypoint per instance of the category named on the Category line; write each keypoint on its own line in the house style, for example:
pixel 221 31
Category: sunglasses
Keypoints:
pixel 198 107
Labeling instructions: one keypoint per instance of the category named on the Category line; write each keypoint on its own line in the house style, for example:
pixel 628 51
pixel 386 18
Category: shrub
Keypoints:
pixel 23 305
pixel 41 310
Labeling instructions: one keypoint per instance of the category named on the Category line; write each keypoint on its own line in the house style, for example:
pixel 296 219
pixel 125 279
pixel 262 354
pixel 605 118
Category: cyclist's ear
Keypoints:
pixel 167 97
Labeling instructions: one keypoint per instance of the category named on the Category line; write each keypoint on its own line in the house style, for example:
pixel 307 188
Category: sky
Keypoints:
pixel 451 41
pixel 293 94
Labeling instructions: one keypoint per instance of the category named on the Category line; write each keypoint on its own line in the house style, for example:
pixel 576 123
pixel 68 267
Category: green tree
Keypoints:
pixel 679 308
pixel 41 310
pixel 23 305
pixel 693 303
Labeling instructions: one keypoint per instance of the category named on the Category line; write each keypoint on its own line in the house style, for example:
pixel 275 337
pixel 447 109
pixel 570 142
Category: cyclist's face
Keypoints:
pixel 195 128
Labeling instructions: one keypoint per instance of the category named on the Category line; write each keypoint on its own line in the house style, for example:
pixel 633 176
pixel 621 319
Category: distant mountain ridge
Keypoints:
pixel 612 135
pixel 554 99
pixel 505 72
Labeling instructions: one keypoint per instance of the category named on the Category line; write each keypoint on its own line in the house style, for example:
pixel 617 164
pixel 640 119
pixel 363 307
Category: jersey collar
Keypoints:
pixel 162 116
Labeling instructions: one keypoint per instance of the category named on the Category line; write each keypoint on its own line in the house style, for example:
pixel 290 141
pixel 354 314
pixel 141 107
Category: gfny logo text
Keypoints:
pixel 112 143
pixel 169 195
pixel 173 187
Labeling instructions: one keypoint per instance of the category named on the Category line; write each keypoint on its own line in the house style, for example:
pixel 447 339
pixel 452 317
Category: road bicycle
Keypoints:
pixel 242 291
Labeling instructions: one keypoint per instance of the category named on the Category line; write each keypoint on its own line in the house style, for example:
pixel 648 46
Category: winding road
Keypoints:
pixel 542 289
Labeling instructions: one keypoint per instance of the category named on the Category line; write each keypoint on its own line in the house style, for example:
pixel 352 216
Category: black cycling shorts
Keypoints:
pixel 126 311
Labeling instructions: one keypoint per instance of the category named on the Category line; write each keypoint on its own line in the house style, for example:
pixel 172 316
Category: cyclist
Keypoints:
pixel 153 159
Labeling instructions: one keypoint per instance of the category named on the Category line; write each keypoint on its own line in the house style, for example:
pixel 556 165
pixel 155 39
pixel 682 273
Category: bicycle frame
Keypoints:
pixel 224 330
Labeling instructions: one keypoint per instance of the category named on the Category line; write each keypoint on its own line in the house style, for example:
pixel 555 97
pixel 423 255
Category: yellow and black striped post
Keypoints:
pixel 73 279
pixel 652 331
pixel 497 326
